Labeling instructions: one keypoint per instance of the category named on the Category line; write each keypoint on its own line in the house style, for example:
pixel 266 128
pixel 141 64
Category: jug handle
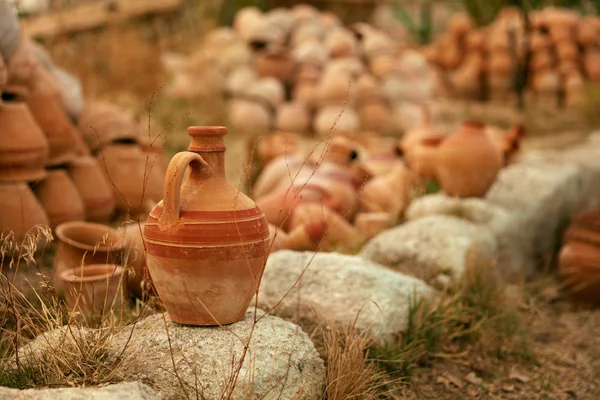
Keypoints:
pixel 172 189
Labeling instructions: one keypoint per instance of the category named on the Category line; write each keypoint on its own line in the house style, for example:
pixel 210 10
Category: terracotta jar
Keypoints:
pixel 92 291
pixel 60 198
pixel 276 64
pixel 93 187
pixel 276 170
pixel 24 149
pixel 390 193
pixel 51 117
pixel 20 210
pixel 136 182
pixel 465 163
pixel 305 237
pixel 265 149
pixel 370 224
pixel 249 116
pixel 207 243
pixel 156 155
pixel 292 117
pixel 579 268
pixel 85 243
pixel 336 117
pixel 102 123
pixel 134 257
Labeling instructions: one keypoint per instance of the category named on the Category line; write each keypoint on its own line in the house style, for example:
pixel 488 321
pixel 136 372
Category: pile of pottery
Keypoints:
pixel 53 171
pixel 560 52
pixel 579 258
pixel 361 185
pixel 301 70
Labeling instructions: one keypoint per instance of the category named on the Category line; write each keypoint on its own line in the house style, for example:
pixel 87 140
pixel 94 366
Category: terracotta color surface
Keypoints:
pixel 23 147
pixel 60 198
pixel 85 243
pixel 207 242
pixel 94 188
pixel 20 210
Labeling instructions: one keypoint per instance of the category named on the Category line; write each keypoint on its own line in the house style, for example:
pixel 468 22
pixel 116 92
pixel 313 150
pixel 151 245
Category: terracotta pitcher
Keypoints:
pixel 23 147
pixel 465 163
pixel 93 187
pixel 207 243
pixel 85 243
pixel 60 198
pixel 92 291
pixel 20 210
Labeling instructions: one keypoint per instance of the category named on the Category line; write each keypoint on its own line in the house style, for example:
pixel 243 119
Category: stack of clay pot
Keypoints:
pixel 579 258
pixel 48 172
pixel 335 200
pixel 561 50
pixel 301 70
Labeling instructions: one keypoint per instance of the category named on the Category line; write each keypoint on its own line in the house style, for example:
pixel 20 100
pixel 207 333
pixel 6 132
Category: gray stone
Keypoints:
pixel 339 289
pixel 121 391
pixel 431 245
pixel 208 362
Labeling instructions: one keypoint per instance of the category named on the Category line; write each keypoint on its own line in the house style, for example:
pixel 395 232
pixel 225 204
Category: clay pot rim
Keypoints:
pixel 105 271
pixel 115 245
pixel 470 123
pixel 207 130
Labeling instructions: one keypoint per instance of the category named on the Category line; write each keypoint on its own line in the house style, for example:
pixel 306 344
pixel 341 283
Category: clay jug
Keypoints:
pixel 23 147
pixel 85 243
pixel 93 291
pixel 60 198
pixel 207 243
pixel 466 163
pixel 20 210
pixel 136 182
pixel 93 187
pixel 46 108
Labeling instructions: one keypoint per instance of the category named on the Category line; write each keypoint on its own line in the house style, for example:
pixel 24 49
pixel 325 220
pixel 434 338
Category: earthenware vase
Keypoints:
pixel 20 210
pixel 93 187
pixel 93 291
pixel 207 243
pixel 85 243
pixel 24 149
pixel 60 198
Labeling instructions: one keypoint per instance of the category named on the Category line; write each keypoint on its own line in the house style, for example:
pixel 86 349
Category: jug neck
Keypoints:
pixel 208 142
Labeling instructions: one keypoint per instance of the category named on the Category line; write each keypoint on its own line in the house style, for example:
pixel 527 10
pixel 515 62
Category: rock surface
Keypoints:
pixel 121 391
pixel 431 245
pixel 335 288
pixel 280 363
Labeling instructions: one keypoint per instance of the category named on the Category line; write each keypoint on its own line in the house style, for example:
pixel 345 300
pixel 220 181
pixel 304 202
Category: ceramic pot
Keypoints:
pixel 465 163
pixel 374 114
pixel 305 237
pixel 136 182
pixel 24 149
pixel 20 210
pixel 93 187
pixel 276 170
pixel 51 117
pixel 370 224
pixel 60 198
pixel 249 116
pixel 277 64
pixel 278 238
pixel 268 148
pixel 85 243
pixel 567 51
pixel 292 117
pixel 579 268
pixel 92 291
pixel 336 117
pixel 137 276
pixel 207 243
pixel 153 149
pixel 103 123
pixel 390 193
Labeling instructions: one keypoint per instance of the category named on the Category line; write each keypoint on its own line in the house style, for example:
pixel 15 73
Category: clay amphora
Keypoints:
pixel 60 198
pixel 47 110
pixel 23 147
pixel 207 243
pixel 92 291
pixel 579 268
pixel 465 163
pixel 135 180
pixel 93 187
pixel 85 243
pixel 20 210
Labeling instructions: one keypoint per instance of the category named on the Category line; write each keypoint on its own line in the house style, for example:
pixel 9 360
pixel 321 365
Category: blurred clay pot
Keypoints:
pixel 588 32
pixel 305 237
pixel 567 51
pixel 591 64
pixel 390 193
pixel 82 244
pixel 24 149
pixel 92 291
pixel 278 238
pixel 93 187
pixel 579 268
pixel 137 276
pixel 272 146
pixel 374 114
pixel 341 43
pixel 136 182
pixel 60 198
pixel 278 65
pixel 20 210
pixel 153 149
pixel 276 170
pixel 292 117
pixel 247 116
pixel 335 117
pixel 370 224
pixel 103 123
